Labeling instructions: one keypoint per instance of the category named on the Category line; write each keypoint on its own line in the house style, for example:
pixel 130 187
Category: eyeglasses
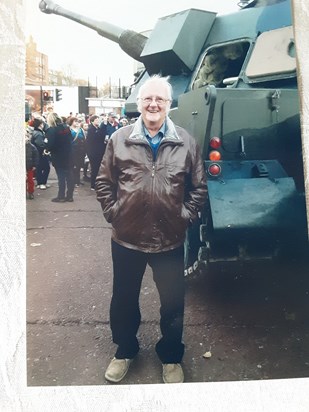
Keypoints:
pixel 158 100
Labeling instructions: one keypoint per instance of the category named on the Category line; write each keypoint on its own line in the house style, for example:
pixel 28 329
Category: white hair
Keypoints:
pixel 156 78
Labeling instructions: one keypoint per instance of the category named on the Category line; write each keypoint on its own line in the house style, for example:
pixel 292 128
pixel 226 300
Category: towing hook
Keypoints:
pixel 274 100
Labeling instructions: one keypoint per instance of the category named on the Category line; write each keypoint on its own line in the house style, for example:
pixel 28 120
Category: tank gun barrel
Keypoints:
pixel 172 48
pixel 130 41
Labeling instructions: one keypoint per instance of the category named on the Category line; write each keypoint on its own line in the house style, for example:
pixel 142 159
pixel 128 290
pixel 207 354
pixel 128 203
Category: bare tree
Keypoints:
pixel 69 75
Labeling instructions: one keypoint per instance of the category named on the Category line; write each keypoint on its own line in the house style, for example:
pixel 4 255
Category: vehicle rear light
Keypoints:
pixel 214 169
pixel 215 142
pixel 214 155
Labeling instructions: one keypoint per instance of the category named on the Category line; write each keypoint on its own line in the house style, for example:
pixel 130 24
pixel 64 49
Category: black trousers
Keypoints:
pixel 95 163
pixel 168 274
pixel 42 170
pixel 65 182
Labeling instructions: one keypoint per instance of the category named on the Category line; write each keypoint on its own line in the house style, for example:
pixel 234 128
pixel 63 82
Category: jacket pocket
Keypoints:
pixel 112 213
pixel 185 214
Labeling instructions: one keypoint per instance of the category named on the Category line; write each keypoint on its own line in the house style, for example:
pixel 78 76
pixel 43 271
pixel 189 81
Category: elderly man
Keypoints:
pixel 151 185
pixel 112 124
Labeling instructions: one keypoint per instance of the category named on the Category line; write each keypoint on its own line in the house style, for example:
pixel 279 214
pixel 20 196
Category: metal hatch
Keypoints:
pixel 273 56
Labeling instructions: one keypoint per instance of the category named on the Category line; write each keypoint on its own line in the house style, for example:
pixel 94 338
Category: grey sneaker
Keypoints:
pixel 117 369
pixel 172 373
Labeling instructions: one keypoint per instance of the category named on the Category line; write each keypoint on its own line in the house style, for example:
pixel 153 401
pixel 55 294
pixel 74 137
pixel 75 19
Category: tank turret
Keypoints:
pixel 173 46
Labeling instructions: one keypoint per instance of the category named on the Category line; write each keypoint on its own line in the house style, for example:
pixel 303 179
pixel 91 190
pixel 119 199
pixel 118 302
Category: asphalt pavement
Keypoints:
pixel 252 321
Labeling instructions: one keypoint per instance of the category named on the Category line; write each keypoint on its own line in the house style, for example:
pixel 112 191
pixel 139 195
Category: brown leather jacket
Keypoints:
pixel 151 202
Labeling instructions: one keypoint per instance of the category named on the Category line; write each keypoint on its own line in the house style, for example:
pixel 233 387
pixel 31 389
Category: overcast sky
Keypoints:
pixel 69 43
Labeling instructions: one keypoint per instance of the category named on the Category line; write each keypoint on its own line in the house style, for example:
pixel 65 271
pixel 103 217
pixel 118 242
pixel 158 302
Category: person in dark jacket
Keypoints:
pixel 32 160
pixel 78 148
pixel 84 126
pixel 151 186
pixel 111 126
pixel 40 142
pixel 59 143
pixel 95 147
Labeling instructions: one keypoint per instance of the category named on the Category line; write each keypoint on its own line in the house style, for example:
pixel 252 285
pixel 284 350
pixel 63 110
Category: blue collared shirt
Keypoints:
pixel 155 140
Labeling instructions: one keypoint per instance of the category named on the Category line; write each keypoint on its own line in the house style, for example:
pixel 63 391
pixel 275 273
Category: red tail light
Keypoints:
pixel 215 142
pixel 214 169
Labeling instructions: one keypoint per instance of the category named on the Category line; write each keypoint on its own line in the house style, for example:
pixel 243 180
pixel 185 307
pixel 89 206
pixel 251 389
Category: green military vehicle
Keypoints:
pixel 235 90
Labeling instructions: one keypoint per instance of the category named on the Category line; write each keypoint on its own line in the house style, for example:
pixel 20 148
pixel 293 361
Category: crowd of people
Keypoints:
pixel 73 145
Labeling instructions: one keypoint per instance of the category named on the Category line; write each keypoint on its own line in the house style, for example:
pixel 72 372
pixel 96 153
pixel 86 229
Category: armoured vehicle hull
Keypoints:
pixel 235 90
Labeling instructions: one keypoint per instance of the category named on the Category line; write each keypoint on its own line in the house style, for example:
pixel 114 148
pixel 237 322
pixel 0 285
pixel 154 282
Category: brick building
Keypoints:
pixel 36 65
